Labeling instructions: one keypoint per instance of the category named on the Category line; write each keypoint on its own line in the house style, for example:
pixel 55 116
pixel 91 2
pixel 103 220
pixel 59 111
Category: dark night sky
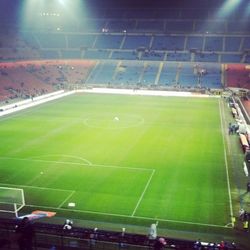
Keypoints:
pixel 11 9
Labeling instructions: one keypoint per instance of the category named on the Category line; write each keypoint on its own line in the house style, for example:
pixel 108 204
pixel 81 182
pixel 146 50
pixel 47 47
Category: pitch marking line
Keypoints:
pixel 144 191
pixel 226 164
pixel 62 155
pixel 67 198
pixel 75 163
pixel 129 216
pixel 42 188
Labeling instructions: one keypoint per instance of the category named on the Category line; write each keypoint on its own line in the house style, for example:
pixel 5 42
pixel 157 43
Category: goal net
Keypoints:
pixel 11 200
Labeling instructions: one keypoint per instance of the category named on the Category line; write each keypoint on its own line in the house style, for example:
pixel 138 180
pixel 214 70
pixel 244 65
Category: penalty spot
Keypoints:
pixel 116 119
pixel 71 204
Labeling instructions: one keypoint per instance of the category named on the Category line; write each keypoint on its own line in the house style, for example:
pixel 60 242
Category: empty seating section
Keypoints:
pixel 121 25
pixel 80 41
pixel 108 41
pixel 238 26
pixel 90 25
pixel 153 55
pixel 247 59
pixel 96 54
pixel 237 76
pixel 124 55
pixel 54 40
pixel 71 54
pixel 187 76
pixel 29 40
pixel 179 56
pixel 246 43
pixel 231 58
pixel 196 13
pixel 128 73
pixel 168 74
pixel 179 26
pixel 210 27
pixel 188 81
pixel 206 57
pixel 150 26
pixel 168 42
pixel 150 72
pixel 11 40
pixel 136 41
pixel 52 54
pixel 123 46
pixel 213 43
pixel 19 53
pixel 102 73
pixel 232 43
pixel 195 42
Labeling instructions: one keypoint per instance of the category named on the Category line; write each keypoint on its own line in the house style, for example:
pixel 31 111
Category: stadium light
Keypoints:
pixel 228 7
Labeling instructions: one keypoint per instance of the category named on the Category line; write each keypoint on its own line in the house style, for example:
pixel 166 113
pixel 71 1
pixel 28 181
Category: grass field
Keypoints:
pixel 163 158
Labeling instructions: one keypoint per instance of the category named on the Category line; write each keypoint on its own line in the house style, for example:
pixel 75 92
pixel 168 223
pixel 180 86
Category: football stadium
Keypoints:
pixel 124 124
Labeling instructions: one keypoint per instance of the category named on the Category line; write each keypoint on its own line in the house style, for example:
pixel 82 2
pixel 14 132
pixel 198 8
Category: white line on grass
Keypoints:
pixel 75 163
pixel 129 216
pixel 145 189
pixel 226 163
pixel 29 186
pixel 61 155
pixel 67 198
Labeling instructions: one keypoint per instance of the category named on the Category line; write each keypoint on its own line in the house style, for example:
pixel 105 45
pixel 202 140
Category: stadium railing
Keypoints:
pixel 53 236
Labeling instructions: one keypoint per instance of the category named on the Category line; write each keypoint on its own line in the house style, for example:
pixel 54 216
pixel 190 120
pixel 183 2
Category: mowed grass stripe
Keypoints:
pixel 101 188
pixel 189 184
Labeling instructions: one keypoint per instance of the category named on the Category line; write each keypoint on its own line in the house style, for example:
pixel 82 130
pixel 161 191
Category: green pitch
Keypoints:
pixel 122 159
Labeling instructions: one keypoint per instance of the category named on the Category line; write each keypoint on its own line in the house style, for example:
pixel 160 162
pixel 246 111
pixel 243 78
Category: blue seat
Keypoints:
pixel 78 41
pixel 108 41
pixel 48 40
pixel 232 43
pixel 136 41
pixel 213 43
pixel 195 42
pixel 168 42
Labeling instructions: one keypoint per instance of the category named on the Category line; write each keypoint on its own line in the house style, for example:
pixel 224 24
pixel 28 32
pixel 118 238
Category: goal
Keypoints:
pixel 11 200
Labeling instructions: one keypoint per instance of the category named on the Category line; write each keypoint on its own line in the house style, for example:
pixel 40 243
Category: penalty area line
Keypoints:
pixel 144 191
pixel 129 216
pixel 75 163
pixel 67 198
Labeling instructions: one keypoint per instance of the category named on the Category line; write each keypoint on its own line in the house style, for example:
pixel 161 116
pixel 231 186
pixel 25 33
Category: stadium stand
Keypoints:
pixel 136 41
pixel 32 78
pixel 237 76
pixel 108 41
pixel 181 48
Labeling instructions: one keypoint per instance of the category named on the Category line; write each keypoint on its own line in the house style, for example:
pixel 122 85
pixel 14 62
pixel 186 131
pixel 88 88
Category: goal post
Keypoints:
pixel 11 200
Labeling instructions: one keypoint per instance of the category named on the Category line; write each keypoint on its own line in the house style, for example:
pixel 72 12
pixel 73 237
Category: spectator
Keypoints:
pixel 160 244
pixel 248 187
pixel 25 234
pixel 245 226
